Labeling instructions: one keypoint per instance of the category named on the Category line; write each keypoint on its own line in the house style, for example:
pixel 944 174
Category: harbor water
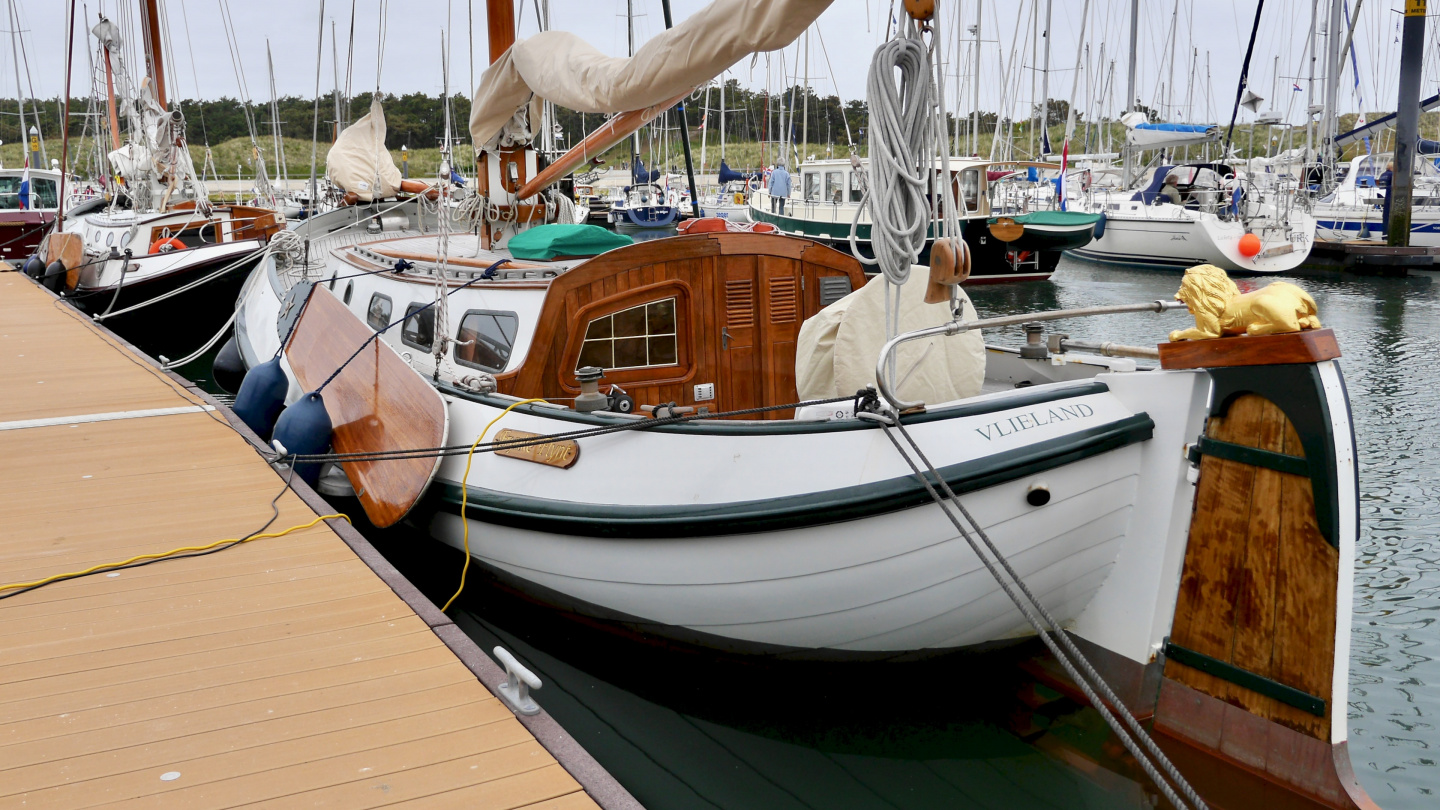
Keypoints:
pixel 681 729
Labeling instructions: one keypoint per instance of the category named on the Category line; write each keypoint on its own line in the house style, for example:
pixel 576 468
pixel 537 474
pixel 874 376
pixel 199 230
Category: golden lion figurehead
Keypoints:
pixel 1220 309
pixel 1206 289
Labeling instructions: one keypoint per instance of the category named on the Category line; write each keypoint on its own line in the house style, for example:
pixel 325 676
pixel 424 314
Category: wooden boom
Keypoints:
pixel 610 133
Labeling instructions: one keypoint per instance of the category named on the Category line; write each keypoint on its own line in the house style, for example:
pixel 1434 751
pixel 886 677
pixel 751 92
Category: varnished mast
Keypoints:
pixel 154 54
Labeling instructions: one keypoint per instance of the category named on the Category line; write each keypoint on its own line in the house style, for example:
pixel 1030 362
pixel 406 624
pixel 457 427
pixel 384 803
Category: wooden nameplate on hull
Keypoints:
pixel 1310 346
pixel 377 403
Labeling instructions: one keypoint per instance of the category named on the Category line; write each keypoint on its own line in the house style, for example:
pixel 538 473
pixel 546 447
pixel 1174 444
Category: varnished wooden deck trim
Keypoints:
pixel 283 671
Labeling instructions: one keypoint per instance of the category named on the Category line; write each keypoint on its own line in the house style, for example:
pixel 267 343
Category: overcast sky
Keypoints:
pixel 1202 64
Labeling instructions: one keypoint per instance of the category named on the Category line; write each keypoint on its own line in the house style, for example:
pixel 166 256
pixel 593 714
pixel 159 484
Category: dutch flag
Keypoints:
pixel 25 187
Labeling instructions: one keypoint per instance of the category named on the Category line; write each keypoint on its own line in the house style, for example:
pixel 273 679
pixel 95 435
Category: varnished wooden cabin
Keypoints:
pixel 708 320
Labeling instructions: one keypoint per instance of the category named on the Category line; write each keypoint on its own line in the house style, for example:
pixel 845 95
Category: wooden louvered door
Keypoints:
pixel 739 362
pixel 780 320
pixel 760 322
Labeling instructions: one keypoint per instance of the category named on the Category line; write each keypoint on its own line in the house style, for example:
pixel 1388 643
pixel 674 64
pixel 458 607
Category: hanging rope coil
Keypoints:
pixel 901 144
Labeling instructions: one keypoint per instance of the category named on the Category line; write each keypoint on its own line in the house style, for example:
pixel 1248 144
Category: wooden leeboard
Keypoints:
pixel 1259 583
pixel 377 403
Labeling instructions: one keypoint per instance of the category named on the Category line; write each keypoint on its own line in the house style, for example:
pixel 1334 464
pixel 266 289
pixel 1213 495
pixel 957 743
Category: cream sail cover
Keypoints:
pixel 359 161
pixel 837 349
pixel 560 67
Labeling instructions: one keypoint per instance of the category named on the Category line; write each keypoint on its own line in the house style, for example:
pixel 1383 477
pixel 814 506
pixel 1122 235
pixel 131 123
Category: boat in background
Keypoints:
pixel 1011 237
pixel 1355 209
pixel 1219 219
pixel 157 237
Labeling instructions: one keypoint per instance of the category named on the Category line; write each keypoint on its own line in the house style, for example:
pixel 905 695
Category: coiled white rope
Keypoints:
pixel 901 148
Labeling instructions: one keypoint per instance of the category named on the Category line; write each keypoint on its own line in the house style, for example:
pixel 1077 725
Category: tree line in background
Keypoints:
pixel 417 120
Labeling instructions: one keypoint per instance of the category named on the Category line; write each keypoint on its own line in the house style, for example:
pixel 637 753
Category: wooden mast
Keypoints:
pixel 506 169
pixel 500 19
pixel 154 55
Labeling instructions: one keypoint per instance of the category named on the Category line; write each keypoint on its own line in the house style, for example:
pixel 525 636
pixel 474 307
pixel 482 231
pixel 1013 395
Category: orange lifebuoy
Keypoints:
pixel 167 244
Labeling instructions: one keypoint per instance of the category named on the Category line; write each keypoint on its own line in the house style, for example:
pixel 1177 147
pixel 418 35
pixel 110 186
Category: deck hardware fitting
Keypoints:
pixel 515 689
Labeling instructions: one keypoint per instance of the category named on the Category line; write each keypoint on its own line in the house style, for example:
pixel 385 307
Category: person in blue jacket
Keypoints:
pixel 779 189
pixel 1384 181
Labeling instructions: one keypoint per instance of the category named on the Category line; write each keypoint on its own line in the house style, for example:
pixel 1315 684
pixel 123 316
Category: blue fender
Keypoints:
pixel 1100 225
pixel 304 429
pixel 262 397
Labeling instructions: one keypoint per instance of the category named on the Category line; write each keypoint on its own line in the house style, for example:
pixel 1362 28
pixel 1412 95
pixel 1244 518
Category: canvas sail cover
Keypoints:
pixel 1142 134
pixel 359 161
pixel 562 68
pixel 838 348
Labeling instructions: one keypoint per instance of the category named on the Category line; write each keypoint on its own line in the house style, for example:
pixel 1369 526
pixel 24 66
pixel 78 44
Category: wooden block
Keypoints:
pixel 1310 346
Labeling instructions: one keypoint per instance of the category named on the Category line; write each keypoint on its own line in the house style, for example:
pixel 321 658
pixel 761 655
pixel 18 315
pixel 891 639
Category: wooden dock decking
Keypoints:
pixel 286 671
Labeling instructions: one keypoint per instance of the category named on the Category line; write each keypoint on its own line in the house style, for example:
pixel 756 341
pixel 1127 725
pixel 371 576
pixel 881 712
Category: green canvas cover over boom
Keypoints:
pixel 545 242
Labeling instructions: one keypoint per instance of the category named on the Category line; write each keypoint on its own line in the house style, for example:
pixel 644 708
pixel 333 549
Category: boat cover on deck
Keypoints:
pixel 359 161
pixel 838 348
pixel 546 242
pixel 562 68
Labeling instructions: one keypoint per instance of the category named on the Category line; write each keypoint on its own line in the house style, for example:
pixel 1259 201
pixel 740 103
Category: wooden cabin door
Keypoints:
pixel 759 326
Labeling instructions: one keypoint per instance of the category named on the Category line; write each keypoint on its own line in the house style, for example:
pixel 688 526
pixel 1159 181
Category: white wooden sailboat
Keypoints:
pixel 784 515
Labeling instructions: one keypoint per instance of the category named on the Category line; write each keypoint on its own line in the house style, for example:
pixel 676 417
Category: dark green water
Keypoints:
pixel 682 731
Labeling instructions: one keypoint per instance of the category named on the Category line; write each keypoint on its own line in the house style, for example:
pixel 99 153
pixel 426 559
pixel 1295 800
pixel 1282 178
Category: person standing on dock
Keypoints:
pixel 779 188
pixel 1385 181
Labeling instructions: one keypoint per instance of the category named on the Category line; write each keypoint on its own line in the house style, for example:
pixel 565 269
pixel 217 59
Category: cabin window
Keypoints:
pixel 855 191
pixel 332 281
pixel 43 192
pixel 835 187
pixel 349 290
pixel 486 339
pixel 419 328
pixel 970 188
pixel 378 316
pixel 638 337
pixel 812 186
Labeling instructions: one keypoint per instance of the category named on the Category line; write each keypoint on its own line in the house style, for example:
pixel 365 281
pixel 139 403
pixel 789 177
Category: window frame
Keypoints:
pixel 645 336
pixel 838 195
pixel 455 352
pixel 685 366
pixel 410 309
pixel 369 316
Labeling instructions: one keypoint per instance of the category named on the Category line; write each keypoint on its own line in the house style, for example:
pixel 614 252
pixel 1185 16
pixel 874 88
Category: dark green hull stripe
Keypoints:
pixel 1022 398
pixel 789 512
pixel 1254 456
pixel 1246 679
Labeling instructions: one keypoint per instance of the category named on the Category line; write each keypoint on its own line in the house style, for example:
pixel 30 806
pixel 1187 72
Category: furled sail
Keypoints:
pixel 562 68
pixel 359 161
pixel 1144 135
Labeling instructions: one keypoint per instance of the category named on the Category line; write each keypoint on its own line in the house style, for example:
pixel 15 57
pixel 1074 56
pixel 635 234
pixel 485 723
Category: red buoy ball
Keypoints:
pixel 1249 245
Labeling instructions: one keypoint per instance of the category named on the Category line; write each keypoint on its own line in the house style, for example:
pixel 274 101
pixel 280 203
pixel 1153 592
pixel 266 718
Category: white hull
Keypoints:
pixel 1173 237
pixel 890 583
